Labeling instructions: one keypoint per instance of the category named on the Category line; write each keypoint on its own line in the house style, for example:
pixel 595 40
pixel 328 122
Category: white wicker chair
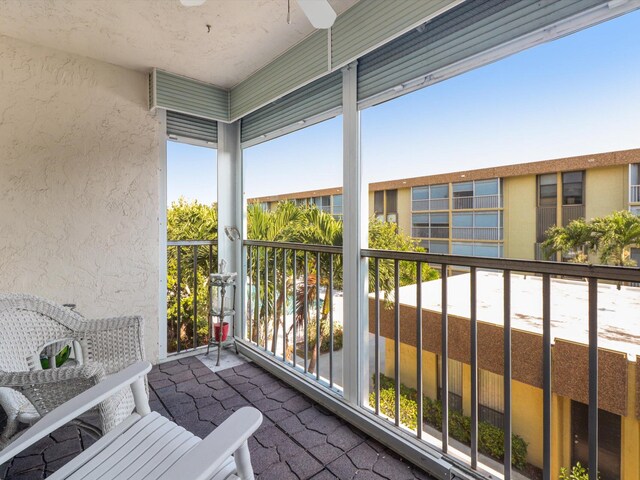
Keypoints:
pixel 29 323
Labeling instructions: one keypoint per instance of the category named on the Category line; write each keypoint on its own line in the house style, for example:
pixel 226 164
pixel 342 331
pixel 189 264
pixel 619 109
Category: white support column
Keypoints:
pixel 230 204
pixel 162 236
pixel 355 235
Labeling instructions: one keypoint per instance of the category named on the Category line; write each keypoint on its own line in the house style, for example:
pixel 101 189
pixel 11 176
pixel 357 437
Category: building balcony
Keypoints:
pixel 430 204
pixel 476 233
pixel 572 212
pixel 289 345
pixel 430 232
pixel 634 194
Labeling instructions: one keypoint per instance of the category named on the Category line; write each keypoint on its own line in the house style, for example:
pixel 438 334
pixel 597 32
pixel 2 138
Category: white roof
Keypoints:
pixel 618 310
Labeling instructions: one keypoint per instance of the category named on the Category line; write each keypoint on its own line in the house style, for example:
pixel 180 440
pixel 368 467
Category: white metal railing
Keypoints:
pixel 634 193
pixel 476 233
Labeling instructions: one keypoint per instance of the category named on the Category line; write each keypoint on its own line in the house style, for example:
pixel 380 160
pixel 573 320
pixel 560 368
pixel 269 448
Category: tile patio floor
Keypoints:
pixel 297 440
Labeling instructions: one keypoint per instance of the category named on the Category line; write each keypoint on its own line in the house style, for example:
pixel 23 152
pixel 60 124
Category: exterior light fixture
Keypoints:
pixel 192 3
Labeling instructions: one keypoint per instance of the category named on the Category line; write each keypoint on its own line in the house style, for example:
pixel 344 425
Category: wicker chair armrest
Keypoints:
pixel 20 380
pixel 47 389
pixel 115 343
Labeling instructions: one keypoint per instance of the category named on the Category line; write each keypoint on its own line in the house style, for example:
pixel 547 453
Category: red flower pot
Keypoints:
pixel 216 331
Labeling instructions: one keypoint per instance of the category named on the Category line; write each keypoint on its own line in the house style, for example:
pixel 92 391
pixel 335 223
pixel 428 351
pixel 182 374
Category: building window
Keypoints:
pixel 438 246
pixel 323 203
pixel 635 256
pixel 463 195
pixel 455 383
pixel 378 204
pixel 634 183
pixel 419 198
pixel 385 205
pixel 420 225
pixel 337 207
pixel 434 225
pixel 547 190
pixel 471 249
pixel 434 197
pixel 572 188
pixel 491 398
pixel 391 205
pixel 486 187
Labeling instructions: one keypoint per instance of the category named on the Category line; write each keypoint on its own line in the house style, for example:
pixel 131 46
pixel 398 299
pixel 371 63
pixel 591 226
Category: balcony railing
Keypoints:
pixel 476 233
pixel 545 217
pixel 292 320
pixel 430 204
pixel 634 194
pixel 430 232
pixel 478 201
pixel 290 306
pixel 395 324
pixel 189 264
pixel 571 212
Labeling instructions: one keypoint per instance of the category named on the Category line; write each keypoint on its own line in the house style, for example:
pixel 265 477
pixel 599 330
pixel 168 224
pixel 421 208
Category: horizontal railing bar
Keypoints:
pixel 189 243
pixel 304 247
pixel 602 272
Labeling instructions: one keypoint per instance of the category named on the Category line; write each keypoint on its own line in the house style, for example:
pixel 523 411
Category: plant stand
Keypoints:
pixel 222 292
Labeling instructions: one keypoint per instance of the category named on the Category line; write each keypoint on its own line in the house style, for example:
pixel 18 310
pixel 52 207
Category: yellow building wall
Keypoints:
pixel 404 210
pixel 606 190
pixel 519 216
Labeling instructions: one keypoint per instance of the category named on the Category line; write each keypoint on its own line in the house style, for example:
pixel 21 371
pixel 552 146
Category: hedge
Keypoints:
pixel 490 437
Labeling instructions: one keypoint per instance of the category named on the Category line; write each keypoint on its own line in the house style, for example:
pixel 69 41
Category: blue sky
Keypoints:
pixel 577 95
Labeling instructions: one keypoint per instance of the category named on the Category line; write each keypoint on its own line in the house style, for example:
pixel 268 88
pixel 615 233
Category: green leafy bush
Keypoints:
pixel 490 437
pixel 577 472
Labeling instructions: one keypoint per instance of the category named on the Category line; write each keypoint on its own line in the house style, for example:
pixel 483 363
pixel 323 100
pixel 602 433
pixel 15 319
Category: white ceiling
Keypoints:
pixel 141 34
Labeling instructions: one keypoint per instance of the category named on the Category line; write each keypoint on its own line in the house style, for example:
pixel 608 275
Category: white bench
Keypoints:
pixel 146 445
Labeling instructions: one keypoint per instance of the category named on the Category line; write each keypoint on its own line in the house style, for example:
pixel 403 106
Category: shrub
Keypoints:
pixel 408 407
pixel 578 472
pixel 490 437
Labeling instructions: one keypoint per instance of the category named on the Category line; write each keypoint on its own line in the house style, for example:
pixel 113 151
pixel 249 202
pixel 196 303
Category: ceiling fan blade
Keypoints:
pixel 319 12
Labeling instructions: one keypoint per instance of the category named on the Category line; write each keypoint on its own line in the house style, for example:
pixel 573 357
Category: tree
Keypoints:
pixel 189 221
pixel 609 237
pixel 614 235
pixel 573 241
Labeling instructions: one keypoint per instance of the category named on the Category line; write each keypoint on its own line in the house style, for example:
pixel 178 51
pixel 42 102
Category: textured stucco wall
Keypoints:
pixel 79 184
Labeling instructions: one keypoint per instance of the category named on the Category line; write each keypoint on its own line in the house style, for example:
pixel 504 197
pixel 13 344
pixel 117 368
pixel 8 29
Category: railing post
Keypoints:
pixel 355 199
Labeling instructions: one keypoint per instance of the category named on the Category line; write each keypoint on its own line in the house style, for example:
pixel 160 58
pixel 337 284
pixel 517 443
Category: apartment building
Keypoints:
pixel 500 211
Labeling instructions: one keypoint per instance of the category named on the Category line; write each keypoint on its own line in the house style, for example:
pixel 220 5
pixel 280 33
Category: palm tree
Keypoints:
pixel 615 234
pixel 319 228
pixel 573 241
pixel 610 237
